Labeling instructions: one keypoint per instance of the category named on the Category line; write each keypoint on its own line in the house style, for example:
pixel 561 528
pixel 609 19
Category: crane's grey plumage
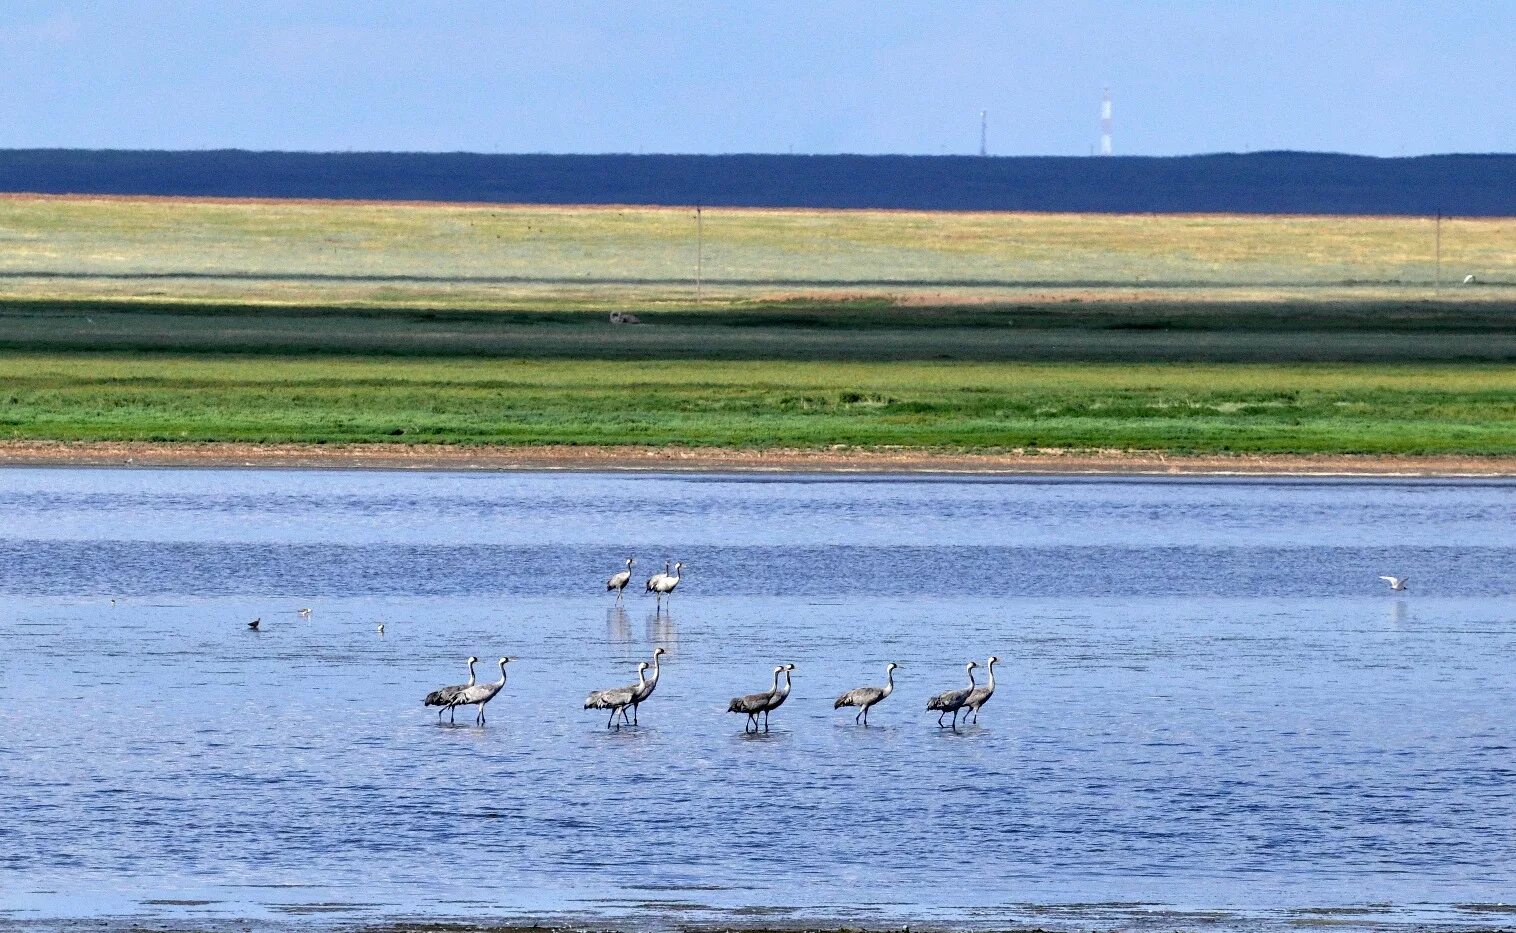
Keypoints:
pixel 663 584
pixel 446 698
pixel 480 694
pixel 617 699
pixel 656 578
pixel 981 695
pixel 619 581
pixel 649 685
pixel 951 701
pixel 865 697
pixel 1396 583
pixel 755 703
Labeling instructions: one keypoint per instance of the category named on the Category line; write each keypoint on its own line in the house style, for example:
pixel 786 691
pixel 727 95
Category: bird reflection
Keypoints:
pixel 619 625
pixel 1399 615
pixel 661 630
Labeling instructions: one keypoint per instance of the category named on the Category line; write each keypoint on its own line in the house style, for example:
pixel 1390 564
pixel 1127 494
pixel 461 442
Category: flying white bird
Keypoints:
pixel 1396 583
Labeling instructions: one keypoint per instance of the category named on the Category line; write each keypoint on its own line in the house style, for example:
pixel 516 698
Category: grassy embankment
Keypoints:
pixel 435 323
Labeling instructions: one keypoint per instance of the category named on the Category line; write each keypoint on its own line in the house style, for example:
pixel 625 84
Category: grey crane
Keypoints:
pixel 951 701
pixel 447 697
pixel 647 688
pixel 663 585
pixel 981 695
pixel 480 694
pixel 777 698
pixel 619 581
pixel 617 699
pixel 656 578
pixel 755 703
pixel 865 697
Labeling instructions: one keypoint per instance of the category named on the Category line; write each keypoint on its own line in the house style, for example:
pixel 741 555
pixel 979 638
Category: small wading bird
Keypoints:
pixel 380 628
pixel 951 701
pixel 647 688
pixel 865 697
pixel 255 623
pixel 447 697
pixel 1396 583
pixel 620 580
pixel 663 585
pixel 765 703
pixel 981 695
pixel 305 613
pixel 617 699
pixel 480 694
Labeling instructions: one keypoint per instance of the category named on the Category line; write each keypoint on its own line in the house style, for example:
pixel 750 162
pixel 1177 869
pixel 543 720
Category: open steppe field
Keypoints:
pixel 331 322
pixel 533 257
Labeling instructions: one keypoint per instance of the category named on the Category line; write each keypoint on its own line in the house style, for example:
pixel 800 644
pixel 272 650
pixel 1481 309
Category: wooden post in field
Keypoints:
pixel 699 251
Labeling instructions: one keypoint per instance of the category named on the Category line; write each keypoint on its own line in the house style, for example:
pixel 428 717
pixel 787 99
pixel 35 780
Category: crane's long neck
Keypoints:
pixel 776 682
pixel 889 681
pixel 991 683
pixel 502 673
pixel 471 673
pixel 786 691
pixel 654 678
pixel 972 685
pixel 642 676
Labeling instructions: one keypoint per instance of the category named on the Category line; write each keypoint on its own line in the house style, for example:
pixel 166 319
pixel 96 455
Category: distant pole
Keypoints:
pixel 1105 123
pixel 1437 281
pixel 984 135
pixel 699 252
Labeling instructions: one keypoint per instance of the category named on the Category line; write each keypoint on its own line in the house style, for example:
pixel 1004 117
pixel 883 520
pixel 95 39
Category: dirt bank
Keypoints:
pixel 839 460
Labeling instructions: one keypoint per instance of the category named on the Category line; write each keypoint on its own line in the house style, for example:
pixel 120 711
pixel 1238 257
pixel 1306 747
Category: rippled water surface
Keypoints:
pixel 1209 712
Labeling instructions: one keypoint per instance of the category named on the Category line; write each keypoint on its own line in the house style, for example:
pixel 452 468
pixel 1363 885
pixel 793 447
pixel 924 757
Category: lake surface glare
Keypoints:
pixel 1210 713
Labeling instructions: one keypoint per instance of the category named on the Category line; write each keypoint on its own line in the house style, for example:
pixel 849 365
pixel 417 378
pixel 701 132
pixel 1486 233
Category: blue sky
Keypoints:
pixel 1380 78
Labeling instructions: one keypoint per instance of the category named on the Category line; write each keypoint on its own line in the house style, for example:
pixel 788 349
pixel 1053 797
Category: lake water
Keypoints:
pixel 1210 712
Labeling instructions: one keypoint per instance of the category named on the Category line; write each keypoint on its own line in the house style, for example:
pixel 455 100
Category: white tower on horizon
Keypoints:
pixel 984 123
pixel 1105 123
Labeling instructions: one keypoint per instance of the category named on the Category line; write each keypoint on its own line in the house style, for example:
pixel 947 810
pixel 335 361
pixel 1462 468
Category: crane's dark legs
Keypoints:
pixel 634 713
pixel 939 719
pixel 612 719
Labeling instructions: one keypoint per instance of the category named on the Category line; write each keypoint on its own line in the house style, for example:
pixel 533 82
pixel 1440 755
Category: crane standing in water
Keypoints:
pixel 646 688
pixel 480 694
pixel 951 701
pixel 619 581
pixel 445 698
pixel 755 703
pixel 865 697
pixel 663 584
pixel 617 699
pixel 981 695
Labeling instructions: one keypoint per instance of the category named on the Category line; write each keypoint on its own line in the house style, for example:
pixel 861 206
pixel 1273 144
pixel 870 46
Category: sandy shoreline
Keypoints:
pixel 665 459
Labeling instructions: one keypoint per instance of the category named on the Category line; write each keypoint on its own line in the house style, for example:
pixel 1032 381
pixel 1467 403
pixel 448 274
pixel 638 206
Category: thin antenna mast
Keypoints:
pixel 984 138
pixel 699 251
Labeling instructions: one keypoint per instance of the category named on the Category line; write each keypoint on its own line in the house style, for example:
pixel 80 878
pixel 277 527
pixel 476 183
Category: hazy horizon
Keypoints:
pixel 1384 78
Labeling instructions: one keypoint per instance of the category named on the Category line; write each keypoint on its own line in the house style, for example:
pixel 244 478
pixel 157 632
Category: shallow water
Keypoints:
pixel 1210 712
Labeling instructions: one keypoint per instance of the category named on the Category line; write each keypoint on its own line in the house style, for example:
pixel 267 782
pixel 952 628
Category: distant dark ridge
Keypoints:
pixel 1268 182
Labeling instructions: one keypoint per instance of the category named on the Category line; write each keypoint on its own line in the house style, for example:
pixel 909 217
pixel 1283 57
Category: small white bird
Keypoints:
pixel 1468 279
pixel 380 629
pixel 305 613
pixel 1396 583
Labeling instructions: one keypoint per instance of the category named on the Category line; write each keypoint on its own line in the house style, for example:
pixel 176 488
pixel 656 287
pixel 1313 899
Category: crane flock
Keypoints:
pixel 965 701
